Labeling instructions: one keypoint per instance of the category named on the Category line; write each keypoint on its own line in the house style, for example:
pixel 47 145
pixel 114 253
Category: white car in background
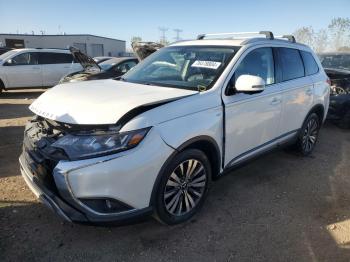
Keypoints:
pixel 108 150
pixel 35 68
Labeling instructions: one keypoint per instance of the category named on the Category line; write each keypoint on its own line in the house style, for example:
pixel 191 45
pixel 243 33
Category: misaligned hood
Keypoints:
pixel 87 62
pixel 99 102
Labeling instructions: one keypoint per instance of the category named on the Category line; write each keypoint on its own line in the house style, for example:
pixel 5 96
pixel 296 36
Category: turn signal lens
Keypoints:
pixel 135 139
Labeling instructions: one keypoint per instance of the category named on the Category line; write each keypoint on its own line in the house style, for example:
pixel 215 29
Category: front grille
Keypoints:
pixel 40 156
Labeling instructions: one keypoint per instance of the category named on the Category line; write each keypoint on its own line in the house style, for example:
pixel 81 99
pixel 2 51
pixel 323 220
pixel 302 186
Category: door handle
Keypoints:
pixel 275 101
pixel 34 67
pixel 309 91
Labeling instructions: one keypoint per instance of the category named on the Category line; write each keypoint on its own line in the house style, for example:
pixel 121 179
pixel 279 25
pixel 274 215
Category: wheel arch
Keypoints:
pixel 204 143
pixel 319 110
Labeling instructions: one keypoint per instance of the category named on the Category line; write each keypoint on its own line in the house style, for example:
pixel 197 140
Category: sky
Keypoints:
pixel 125 19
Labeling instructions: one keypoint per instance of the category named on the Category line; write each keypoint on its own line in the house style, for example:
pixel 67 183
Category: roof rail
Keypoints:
pixel 290 38
pixel 268 34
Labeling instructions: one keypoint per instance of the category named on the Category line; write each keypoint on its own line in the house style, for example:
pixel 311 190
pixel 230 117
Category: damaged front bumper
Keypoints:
pixel 114 188
pixel 67 208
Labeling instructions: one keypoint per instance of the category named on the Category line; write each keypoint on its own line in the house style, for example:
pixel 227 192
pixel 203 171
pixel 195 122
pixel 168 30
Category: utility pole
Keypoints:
pixel 177 31
pixel 162 34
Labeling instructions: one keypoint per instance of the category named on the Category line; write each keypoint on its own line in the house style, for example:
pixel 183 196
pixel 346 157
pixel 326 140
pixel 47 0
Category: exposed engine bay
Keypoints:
pixel 340 81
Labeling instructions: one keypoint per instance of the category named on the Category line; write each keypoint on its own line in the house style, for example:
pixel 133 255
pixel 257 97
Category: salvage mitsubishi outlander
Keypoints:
pixel 151 142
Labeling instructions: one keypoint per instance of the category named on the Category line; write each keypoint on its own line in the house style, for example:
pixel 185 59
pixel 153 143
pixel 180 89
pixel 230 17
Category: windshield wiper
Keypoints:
pixel 120 78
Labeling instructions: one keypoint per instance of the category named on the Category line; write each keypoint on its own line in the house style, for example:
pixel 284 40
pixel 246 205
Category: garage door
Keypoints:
pixel 96 50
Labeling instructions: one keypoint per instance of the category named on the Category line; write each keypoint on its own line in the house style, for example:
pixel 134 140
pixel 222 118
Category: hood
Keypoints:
pixel 337 71
pixel 87 62
pixel 100 102
pixel 144 49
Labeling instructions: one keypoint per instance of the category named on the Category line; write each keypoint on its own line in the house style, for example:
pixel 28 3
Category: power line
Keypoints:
pixel 162 33
pixel 177 31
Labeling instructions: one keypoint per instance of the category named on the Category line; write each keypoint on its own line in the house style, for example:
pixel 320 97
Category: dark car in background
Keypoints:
pixel 92 70
pixel 337 67
pixel 3 50
pixel 100 59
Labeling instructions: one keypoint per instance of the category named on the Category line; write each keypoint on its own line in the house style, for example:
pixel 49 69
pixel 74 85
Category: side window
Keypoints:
pixel 55 58
pixel 65 58
pixel 310 64
pixel 291 63
pixel 258 62
pixel 25 59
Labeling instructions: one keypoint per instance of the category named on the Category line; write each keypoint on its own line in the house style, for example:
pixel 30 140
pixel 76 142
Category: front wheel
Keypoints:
pixel 308 135
pixel 183 187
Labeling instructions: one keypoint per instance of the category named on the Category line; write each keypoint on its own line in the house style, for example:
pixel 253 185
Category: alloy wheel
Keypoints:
pixel 310 135
pixel 185 187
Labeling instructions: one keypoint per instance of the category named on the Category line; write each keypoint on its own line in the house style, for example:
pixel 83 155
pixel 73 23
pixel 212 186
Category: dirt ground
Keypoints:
pixel 280 207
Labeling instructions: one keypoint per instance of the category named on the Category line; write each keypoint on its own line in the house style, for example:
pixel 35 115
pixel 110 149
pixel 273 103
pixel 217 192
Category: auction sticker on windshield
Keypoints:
pixel 206 64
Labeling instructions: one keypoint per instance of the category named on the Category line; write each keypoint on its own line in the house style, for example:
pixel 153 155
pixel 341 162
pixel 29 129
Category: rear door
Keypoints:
pixel 23 70
pixel 297 90
pixel 55 66
pixel 251 120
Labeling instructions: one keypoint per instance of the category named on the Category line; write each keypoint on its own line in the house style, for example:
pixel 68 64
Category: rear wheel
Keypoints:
pixel 183 187
pixel 308 135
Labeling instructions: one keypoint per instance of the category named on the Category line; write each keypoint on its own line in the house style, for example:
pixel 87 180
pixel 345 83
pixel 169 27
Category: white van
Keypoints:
pixel 35 68
pixel 150 143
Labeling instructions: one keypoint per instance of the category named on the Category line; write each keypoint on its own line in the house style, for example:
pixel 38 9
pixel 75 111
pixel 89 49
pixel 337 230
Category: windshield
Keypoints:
pixel 188 67
pixel 5 55
pixel 341 61
pixel 105 66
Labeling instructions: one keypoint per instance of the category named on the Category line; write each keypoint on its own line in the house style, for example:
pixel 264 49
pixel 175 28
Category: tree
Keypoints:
pixel 136 39
pixel 320 41
pixel 305 35
pixel 339 29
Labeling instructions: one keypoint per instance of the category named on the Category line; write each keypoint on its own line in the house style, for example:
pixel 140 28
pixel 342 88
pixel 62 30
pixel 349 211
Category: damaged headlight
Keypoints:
pixel 82 146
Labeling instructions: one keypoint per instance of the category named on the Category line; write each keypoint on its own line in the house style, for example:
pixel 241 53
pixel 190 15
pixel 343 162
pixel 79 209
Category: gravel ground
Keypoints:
pixel 280 207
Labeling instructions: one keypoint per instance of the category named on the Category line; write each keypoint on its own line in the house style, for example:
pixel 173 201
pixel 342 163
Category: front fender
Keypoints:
pixel 208 122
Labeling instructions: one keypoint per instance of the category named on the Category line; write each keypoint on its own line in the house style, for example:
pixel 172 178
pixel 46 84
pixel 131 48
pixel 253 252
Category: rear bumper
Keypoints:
pixel 70 211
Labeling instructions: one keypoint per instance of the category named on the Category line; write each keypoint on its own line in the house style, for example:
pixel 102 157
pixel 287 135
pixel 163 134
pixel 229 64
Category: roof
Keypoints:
pixel 118 60
pixel 33 35
pixel 335 53
pixel 42 50
pixel 240 39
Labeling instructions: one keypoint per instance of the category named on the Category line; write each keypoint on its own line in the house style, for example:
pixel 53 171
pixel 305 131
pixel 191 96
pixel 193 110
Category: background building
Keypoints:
pixel 91 45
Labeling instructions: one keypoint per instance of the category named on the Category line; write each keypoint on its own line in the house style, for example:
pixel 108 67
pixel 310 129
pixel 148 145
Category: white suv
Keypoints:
pixel 30 67
pixel 150 143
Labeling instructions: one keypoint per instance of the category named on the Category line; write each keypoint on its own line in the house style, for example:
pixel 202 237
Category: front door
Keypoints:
pixel 252 120
pixel 23 70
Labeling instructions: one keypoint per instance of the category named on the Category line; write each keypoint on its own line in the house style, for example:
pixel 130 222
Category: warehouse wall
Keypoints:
pixel 111 47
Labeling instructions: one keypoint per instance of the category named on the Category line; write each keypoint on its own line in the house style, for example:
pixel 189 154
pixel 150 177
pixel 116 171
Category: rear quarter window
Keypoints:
pixel 310 64
pixel 291 63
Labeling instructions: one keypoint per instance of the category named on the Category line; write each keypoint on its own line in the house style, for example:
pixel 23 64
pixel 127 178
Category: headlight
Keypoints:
pixel 82 146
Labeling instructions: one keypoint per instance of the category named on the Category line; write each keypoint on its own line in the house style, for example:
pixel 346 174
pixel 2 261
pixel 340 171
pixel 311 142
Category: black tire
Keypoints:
pixel 308 135
pixel 2 86
pixel 187 201
pixel 345 121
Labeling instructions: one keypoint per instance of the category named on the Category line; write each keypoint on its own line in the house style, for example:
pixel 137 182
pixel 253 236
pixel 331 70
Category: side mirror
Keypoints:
pixel 250 84
pixel 8 62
